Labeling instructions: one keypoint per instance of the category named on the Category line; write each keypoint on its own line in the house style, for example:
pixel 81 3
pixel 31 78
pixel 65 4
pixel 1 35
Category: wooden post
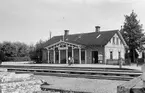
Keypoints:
pixel 85 56
pixel 54 56
pixel 80 55
pixel 73 54
pixel 59 56
pixel 66 56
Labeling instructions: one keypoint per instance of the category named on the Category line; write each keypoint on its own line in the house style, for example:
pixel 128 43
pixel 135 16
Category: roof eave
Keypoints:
pixel 124 43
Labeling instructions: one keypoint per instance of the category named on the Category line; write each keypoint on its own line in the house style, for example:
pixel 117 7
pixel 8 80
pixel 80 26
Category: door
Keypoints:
pixel 94 57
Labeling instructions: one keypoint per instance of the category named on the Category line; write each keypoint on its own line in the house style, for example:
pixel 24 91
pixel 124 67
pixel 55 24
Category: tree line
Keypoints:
pixel 18 51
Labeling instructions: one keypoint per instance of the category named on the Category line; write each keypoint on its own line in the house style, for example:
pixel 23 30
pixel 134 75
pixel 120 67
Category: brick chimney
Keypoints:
pixel 66 32
pixel 97 28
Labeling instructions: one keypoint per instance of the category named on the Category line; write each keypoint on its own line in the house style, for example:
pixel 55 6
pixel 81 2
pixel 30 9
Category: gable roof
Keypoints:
pixel 94 38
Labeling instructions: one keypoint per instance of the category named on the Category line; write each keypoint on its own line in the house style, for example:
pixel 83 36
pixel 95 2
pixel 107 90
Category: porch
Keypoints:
pixel 62 52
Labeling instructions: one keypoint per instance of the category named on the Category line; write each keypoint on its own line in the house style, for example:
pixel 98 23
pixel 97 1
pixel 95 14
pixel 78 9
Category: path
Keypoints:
pixel 82 84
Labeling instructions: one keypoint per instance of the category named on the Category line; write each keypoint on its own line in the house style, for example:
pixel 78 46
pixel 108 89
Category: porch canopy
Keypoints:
pixel 62 50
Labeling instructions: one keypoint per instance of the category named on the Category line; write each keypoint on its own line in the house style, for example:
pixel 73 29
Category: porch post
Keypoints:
pixel 59 56
pixel 85 56
pixel 48 56
pixel 73 54
pixel 66 56
pixel 80 55
pixel 54 56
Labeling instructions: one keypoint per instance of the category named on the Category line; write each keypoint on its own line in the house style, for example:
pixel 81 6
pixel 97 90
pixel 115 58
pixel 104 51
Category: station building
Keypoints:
pixel 97 47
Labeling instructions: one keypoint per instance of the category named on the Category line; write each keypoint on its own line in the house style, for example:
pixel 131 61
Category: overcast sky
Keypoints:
pixel 29 21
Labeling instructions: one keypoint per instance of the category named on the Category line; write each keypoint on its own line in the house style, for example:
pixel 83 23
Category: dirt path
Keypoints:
pixel 82 84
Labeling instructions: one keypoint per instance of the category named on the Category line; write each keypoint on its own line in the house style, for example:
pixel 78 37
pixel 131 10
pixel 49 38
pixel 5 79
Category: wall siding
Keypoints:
pixel 89 53
pixel 115 48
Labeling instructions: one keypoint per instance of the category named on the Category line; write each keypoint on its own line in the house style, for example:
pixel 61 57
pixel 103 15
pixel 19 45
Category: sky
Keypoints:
pixel 29 21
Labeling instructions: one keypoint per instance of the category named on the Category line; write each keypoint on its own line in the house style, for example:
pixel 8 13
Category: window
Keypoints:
pixel 111 54
pixel 83 55
pixel 98 36
pixel 113 40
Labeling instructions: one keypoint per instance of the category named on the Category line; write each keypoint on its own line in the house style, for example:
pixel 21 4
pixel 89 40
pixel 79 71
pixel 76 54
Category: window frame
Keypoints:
pixel 113 40
pixel 111 54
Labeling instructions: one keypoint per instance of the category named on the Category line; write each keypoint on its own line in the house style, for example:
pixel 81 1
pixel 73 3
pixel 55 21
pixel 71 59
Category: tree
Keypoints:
pixel 14 51
pixel 132 33
pixel 22 49
pixel 36 52
pixel 1 54
pixel 9 49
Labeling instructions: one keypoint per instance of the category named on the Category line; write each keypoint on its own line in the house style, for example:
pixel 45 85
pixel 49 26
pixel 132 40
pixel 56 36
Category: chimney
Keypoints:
pixel 66 32
pixel 97 29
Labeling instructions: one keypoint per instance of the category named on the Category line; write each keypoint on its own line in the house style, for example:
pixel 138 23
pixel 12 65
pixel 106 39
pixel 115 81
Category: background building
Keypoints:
pixel 104 47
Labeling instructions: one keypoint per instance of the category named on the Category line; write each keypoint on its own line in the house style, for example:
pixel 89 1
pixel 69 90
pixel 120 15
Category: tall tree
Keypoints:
pixel 36 52
pixel 132 33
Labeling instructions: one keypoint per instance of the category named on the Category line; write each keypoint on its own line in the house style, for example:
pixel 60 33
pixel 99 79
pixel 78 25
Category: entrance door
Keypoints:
pixel 94 57
pixel 63 56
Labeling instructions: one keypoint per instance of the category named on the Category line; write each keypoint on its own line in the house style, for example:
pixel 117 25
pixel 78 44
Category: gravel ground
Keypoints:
pixel 82 84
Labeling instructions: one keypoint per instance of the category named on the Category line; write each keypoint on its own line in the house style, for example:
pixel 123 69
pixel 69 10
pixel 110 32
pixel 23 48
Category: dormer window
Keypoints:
pixel 98 36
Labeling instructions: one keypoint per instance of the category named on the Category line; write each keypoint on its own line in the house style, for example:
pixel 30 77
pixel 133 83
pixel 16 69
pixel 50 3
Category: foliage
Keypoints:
pixel 1 54
pixel 132 33
pixel 36 52
pixel 14 51
pixel 17 51
pixel 9 49
pixel 22 49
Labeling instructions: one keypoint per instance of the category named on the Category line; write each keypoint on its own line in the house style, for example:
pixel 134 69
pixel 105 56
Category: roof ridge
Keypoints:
pixel 89 32
pixel 94 32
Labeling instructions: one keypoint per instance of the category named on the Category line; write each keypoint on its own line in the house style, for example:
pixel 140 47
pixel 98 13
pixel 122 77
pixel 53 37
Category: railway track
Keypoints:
pixel 77 72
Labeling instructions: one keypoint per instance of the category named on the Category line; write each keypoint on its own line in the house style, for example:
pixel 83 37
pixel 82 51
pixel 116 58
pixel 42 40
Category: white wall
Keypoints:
pixel 115 48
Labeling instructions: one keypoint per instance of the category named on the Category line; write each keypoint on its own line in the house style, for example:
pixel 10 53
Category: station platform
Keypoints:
pixel 132 66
